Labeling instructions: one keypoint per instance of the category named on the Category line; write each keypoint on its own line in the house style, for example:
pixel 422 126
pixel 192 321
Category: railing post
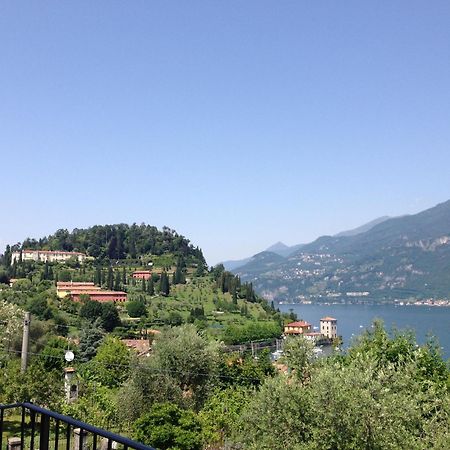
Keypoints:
pixel 22 429
pixel 14 443
pixel 1 427
pixel 79 439
pixel 45 432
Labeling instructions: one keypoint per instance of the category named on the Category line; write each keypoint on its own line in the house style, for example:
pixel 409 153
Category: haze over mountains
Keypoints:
pixel 284 250
pixel 386 259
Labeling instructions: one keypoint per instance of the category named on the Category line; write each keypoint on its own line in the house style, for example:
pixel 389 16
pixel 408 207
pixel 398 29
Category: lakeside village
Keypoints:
pixel 363 298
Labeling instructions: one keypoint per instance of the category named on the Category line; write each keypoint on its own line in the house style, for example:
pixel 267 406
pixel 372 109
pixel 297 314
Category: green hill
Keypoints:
pixel 117 242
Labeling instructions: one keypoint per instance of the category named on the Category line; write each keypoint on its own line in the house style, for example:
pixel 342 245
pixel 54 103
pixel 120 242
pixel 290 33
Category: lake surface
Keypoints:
pixel 353 319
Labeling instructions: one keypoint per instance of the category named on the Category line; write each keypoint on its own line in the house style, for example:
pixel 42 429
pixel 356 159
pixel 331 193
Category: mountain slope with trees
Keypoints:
pixel 400 258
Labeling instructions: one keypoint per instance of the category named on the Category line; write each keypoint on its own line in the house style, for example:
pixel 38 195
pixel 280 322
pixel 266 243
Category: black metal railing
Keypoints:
pixel 47 430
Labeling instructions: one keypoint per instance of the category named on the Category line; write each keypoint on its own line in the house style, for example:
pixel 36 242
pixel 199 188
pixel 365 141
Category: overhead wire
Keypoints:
pixel 146 368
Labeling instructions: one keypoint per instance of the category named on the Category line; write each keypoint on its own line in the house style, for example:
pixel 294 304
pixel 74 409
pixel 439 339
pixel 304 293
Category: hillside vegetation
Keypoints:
pixel 193 390
pixel 120 241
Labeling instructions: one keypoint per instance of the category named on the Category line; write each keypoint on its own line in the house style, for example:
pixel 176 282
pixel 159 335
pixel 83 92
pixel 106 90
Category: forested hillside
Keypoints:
pixel 118 241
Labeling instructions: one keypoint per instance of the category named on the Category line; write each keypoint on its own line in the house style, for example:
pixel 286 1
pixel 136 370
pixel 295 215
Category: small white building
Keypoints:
pixel 328 327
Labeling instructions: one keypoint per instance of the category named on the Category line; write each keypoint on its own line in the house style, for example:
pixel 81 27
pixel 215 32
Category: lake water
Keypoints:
pixel 352 319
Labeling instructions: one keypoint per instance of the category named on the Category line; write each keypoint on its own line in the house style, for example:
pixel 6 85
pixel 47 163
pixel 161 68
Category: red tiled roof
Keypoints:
pixel 142 271
pixel 328 318
pixel 300 324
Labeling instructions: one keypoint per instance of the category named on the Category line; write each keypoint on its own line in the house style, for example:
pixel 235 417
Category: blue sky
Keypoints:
pixel 236 123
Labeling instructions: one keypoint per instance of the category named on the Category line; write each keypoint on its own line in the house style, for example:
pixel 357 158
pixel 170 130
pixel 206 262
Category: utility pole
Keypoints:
pixel 25 339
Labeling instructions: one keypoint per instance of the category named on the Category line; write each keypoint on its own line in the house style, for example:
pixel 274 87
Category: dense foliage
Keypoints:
pixel 118 241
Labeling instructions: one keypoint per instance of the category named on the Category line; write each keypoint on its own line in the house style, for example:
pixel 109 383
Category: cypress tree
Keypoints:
pixel 46 270
pixel 7 256
pixel 164 287
pixel 124 275
pixel 14 269
pixel 144 288
pixel 98 276
pixel 150 287
pixel 117 282
pixel 110 278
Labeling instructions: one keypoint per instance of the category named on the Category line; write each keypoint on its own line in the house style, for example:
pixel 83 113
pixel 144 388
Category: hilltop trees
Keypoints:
pixel 118 241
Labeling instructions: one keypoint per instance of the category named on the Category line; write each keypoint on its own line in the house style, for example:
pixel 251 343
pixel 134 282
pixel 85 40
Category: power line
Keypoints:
pixel 146 368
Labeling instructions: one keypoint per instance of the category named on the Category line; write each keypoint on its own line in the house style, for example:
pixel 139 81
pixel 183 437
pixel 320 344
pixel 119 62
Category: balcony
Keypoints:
pixel 47 430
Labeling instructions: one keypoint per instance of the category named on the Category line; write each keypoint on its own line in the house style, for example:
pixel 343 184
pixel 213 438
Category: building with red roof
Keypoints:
pixel 100 296
pixel 141 274
pixel 296 328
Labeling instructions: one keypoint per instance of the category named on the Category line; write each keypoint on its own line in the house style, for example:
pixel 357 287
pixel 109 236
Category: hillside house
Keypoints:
pixel 141 274
pixel 297 328
pixel 100 296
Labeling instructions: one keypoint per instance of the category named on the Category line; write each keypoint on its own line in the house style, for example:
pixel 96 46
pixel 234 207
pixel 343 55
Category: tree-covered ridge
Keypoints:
pixel 119 241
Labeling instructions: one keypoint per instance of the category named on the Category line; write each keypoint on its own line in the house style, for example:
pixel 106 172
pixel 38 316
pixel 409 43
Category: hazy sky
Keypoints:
pixel 238 123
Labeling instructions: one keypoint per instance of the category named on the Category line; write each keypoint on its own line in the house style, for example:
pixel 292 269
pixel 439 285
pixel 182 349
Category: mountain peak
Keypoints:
pixel 278 246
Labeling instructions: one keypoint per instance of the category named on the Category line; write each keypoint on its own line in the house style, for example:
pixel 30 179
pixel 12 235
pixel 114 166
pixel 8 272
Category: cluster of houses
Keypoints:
pixel 75 289
pixel 328 329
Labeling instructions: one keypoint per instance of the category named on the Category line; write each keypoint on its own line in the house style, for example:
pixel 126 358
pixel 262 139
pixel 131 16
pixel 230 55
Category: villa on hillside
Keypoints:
pixel 46 256
pixel 64 288
pixel 296 328
pixel 75 289
pixel 141 274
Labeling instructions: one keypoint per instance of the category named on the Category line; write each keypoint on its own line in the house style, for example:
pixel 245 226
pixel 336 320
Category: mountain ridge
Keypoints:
pixel 400 257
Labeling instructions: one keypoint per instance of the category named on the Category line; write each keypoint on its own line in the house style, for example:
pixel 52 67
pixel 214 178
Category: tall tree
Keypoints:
pixel 98 276
pixel 164 287
pixel 110 278
pixel 117 281
pixel 150 286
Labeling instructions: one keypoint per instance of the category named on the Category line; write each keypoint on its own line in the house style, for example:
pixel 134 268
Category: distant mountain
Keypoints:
pixel 398 258
pixel 363 228
pixel 233 264
pixel 263 261
pixel 279 248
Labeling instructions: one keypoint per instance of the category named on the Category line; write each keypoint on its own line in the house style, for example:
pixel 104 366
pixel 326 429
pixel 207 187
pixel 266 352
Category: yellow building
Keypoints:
pixel 296 328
